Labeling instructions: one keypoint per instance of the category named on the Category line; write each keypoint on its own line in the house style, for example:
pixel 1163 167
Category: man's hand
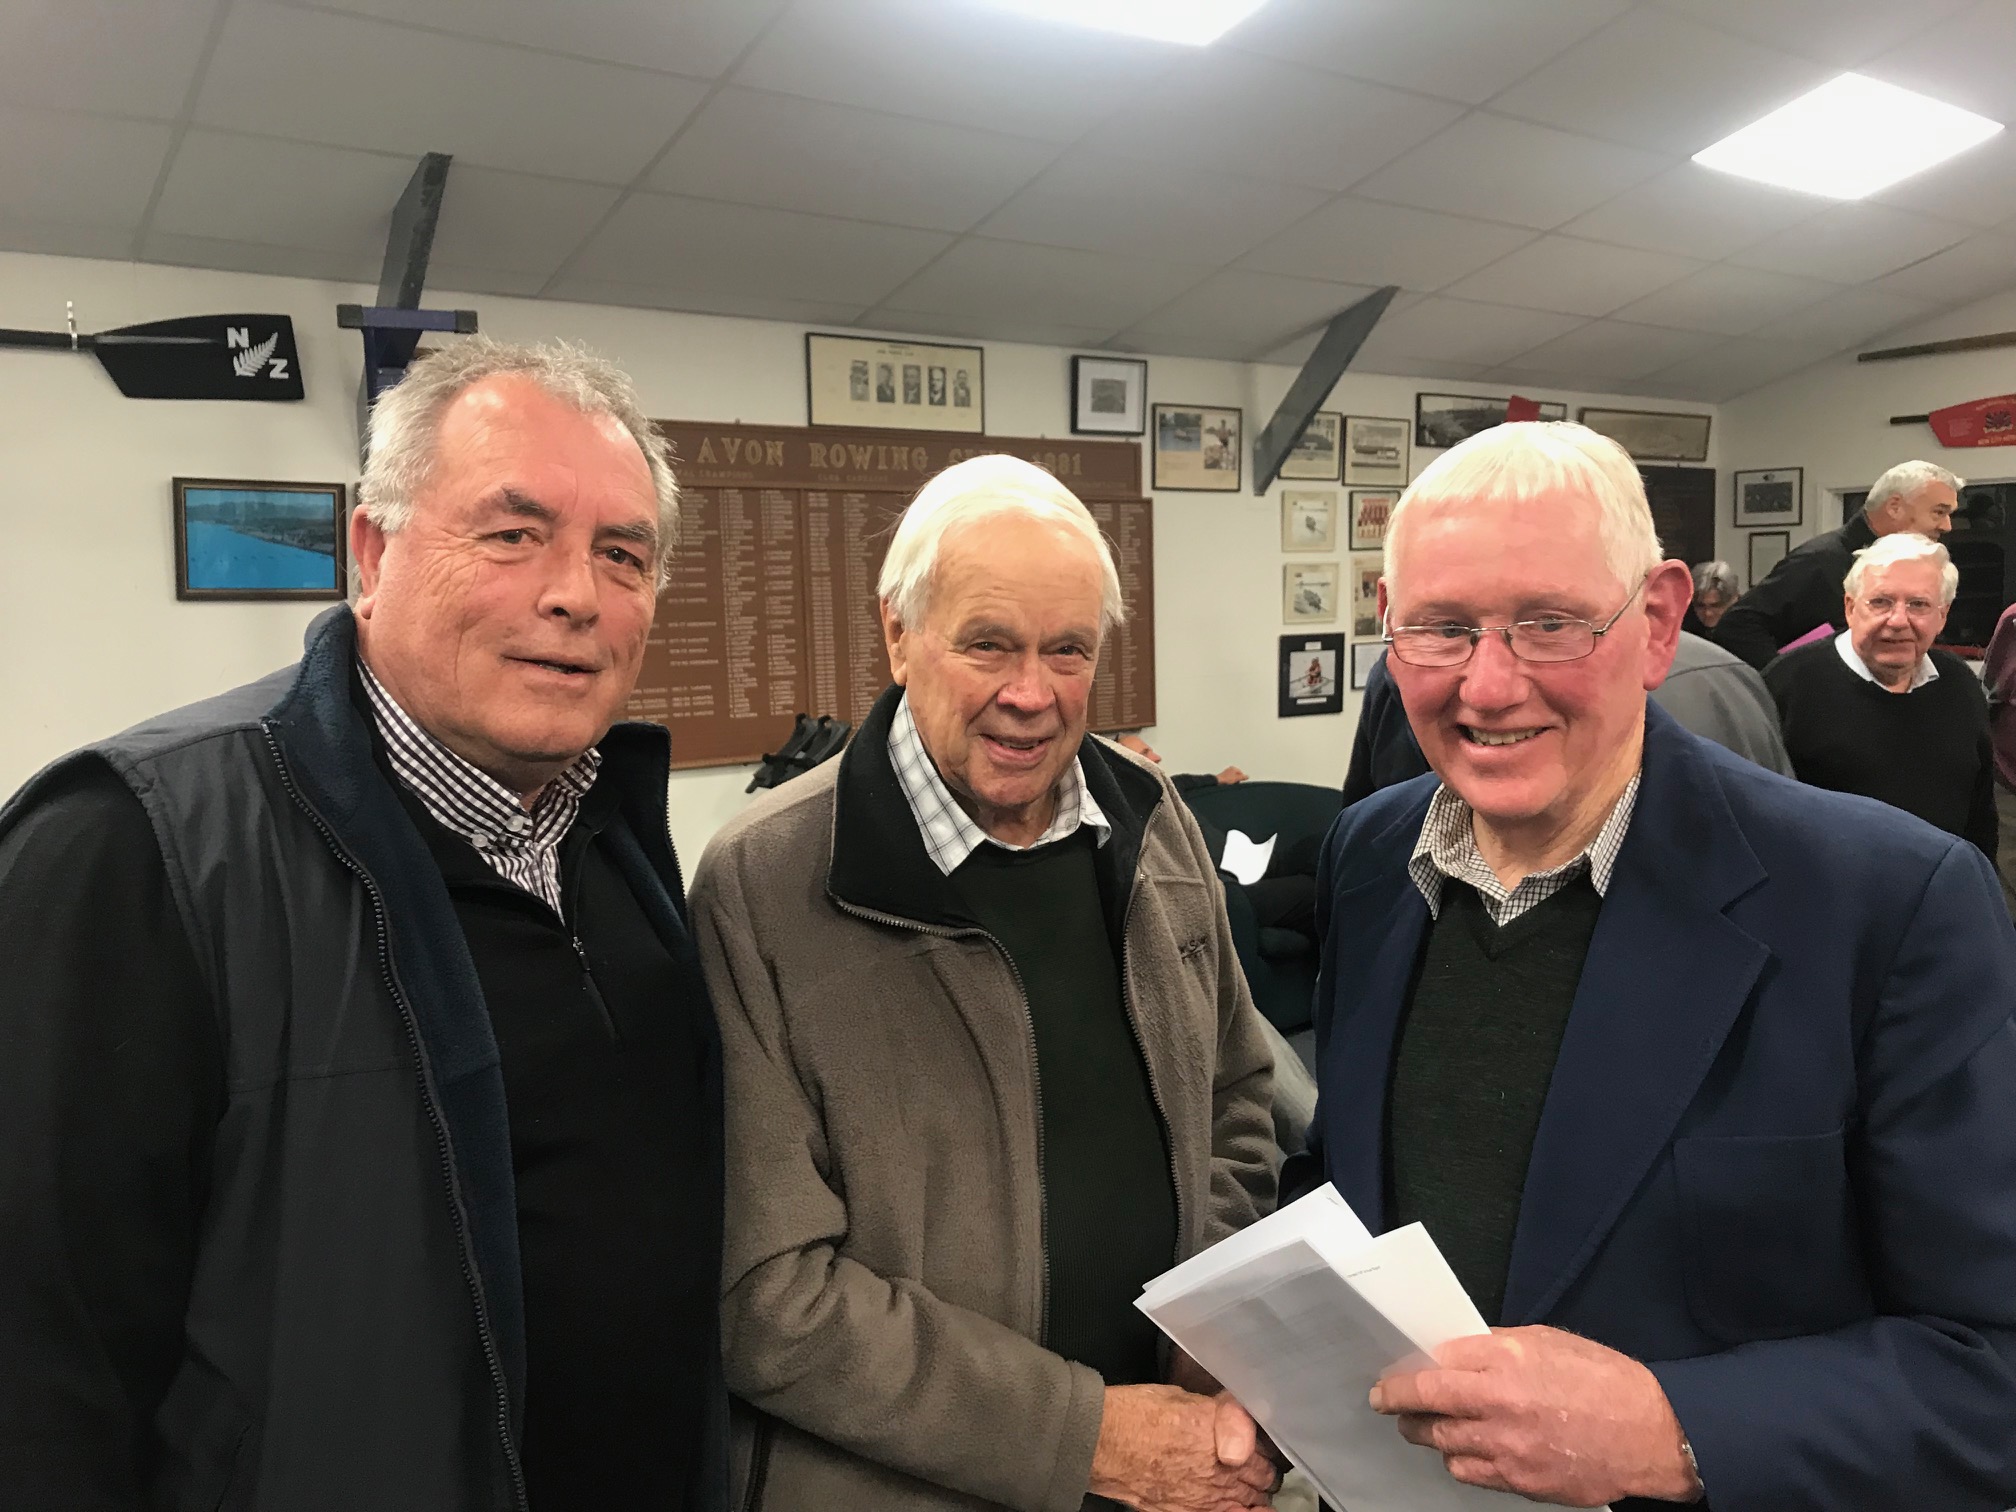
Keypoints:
pixel 1546 1414
pixel 1164 1449
pixel 1231 775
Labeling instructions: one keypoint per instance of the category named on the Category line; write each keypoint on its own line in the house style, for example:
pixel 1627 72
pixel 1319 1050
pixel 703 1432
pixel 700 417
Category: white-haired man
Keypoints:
pixel 991 1062
pixel 1878 710
pixel 362 1094
pixel 1699 1076
pixel 1803 592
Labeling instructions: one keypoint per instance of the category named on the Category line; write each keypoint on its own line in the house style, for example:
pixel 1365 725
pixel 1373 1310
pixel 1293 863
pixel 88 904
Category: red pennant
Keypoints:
pixel 1517 408
pixel 1980 422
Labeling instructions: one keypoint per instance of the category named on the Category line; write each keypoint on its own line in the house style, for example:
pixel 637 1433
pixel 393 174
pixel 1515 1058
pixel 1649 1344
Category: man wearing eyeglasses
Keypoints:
pixel 1699 1077
pixel 1876 710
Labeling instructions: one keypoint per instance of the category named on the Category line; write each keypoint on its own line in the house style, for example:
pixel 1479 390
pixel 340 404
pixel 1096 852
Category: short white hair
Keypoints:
pixel 974 490
pixel 406 422
pixel 1906 479
pixel 1520 465
pixel 1903 546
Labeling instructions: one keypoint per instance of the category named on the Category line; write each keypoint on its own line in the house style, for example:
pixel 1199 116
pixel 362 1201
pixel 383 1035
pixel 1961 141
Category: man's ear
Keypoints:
pixel 1668 592
pixel 893 642
pixel 367 551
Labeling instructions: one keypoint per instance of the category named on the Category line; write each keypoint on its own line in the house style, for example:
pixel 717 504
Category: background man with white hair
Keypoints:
pixel 1878 710
pixel 991 1061
pixel 1700 1077
pixel 1803 592
pixel 361 1094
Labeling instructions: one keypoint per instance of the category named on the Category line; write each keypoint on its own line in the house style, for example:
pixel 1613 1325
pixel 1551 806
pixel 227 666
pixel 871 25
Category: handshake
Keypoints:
pixel 1166 1449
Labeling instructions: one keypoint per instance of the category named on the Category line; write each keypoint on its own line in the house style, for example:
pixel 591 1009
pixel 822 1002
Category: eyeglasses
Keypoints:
pixel 1882 605
pixel 1552 638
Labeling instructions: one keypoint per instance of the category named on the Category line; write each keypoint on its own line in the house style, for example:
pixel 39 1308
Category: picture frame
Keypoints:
pixel 1309 680
pixel 1309 593
pixel 1767 549
pixel 1364 657
pixel 1309 519
pixel 894 385
pixel 1366 570
pixel 251 540
pixel 1198 448
pixel 1652 435
pixel 1443 420
pixel 1371 517
pixel 1375 452
pixel 1109 396
pixel 1768 496
pixel 1317 455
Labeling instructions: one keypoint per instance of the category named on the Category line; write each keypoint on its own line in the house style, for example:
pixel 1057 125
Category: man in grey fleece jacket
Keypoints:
pixel 990 1064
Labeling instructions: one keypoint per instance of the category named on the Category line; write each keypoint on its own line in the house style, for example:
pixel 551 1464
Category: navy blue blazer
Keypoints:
pixel 1777 1160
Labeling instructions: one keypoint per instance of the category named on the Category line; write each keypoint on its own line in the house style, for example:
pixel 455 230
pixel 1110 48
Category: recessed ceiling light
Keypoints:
pixel 1194 22
pixel 1849 138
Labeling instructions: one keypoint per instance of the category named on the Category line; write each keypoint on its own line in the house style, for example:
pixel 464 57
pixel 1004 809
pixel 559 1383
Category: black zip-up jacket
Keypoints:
pixel 334 1196
pixel 1802 593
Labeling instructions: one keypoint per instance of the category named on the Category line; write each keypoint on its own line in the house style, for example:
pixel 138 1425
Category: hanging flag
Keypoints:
pixel 1979 422
pixel 1518 408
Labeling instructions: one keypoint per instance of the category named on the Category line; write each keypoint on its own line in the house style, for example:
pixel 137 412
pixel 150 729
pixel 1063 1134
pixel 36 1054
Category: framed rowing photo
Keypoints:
pixel 1196 449
pixel 252 540
pixel 1309 519
pixel 1315 457
pixel 1109 396
pixel 894 385
pixel 1375 452
pixel 1308 680
pixel 1769 497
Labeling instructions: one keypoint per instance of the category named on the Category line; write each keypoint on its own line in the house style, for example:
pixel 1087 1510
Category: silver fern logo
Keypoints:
pixel 248 363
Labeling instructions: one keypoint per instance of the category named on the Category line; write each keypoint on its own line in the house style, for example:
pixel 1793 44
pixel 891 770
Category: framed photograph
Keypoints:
pixel 1773 497
pixel 1308 680
pixel 1364 657
pixel 1652 435
pixel 1442 420
pixel 1375 452
pixel 1309 519
pixel 1316 452
pixel 894 385
pixel 248 540
pixel 1309 593
pixel 1364 586
pixel 1109 396
pixel 1197 449
pixel 1371 514
pixel 1767 548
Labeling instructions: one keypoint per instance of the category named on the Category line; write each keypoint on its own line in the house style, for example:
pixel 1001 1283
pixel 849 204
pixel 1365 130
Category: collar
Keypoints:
pixel 1447 849
pixel 950 833
pixel 1922 674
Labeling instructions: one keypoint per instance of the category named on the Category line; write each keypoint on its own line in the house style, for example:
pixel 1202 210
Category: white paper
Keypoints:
pixel 1245 858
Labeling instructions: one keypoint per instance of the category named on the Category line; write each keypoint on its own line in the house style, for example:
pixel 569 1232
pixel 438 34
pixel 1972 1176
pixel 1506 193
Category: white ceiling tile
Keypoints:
pixel 1657 81
pixel 445 278
pixel 1978 186
pixel 303 74
pixel 78 170
pixel 513 222
pixel 794 154
pixel 1978 267
pixel 1968 60
pixel 1414 367
pixel 1843 319
pixel 111 55
pixel 1499 169
pixel 1043 285
pixel 691 247
pixel 1214 348
pixel 1727 301
pixel 1456 330
pixel 1574 277
pixel 964 64
pixel 1611 351
pixel 1253 311
pixel 1464 50
pixel 1840 32
pixel 1366 242
pixel 1736 367
pixel 604 291
pixel 1268 119
pixel 700 38
pixel 271 193
pixel 1852 243
pixel 1102 203
pixel 59 239
pixel 926 323
pixel 1696 212
pixel 343 267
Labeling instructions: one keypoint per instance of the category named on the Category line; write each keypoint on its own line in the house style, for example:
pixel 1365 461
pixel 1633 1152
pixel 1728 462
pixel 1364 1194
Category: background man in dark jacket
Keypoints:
pixel 1803 592
pixel 362 1095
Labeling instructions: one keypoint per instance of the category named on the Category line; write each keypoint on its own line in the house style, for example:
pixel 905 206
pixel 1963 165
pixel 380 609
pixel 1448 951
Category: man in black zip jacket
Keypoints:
pixel 361 1089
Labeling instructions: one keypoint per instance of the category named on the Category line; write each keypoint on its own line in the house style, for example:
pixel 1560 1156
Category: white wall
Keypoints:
pixel 97 640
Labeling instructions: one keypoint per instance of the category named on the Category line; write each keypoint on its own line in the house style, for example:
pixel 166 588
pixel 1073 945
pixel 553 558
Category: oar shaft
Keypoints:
pixel 57 339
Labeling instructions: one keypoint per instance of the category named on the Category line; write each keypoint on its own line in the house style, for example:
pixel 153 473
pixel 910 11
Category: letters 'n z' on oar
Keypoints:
pixel 196 357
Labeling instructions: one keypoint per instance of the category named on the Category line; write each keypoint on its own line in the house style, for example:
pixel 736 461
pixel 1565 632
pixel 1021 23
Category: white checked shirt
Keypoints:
pixel 522 847
pixel 950 834
pixel 1448 848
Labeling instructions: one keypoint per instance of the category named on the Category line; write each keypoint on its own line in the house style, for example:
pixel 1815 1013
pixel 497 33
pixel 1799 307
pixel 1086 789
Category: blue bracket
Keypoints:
pixel 390 336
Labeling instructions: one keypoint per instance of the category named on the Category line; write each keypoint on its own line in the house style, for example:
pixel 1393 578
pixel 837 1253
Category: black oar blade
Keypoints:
pixel 203 357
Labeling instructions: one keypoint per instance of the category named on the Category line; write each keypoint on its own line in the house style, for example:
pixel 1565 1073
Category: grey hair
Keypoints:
pixel 1906 479
pixel 406 422
pixel 973 490
pixel 1516 466
pixel 1904 546
pixel 1716 577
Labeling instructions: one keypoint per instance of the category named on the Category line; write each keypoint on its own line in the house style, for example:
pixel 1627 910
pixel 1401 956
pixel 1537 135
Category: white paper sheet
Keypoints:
pixel 1246 858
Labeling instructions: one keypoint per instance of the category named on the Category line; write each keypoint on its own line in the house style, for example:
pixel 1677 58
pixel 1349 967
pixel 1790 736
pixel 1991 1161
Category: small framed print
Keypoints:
pixel 1652 435
pixel 1767 549
pixel 1308 680
pixel 1773 497
pixel 1197 449
pixel 1309 519
pixel 1109 396
pixel 1364 657
pixel 1364 586
pixel 249 540
pixel 1375 452
pixel 897 385
pixel 1371 516
pixel 1314 456
pixel 1309 593
pixel 1444 420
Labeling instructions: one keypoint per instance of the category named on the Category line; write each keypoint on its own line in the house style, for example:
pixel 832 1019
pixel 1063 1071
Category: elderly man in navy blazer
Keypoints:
pixel 1705 1081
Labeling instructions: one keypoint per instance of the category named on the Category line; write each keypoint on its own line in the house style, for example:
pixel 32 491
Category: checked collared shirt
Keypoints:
pixel 1448 849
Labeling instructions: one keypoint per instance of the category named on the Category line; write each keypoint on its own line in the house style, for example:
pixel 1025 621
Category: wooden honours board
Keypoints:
pixel 771 607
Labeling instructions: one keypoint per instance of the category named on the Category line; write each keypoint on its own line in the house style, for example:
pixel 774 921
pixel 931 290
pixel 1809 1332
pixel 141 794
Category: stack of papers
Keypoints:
pixel 1298 1316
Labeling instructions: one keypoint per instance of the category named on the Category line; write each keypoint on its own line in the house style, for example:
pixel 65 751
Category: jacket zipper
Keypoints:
pixel 484 1333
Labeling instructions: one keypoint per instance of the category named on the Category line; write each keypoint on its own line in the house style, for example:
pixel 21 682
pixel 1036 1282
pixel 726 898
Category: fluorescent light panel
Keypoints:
pixel 1849 138
pixel 1193 22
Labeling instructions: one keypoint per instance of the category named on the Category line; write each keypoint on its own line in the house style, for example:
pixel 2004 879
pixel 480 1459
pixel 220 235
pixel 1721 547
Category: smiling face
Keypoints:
pixel 509 615
pixel 1888 634
pixel 1000 669
pixel 1928 512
